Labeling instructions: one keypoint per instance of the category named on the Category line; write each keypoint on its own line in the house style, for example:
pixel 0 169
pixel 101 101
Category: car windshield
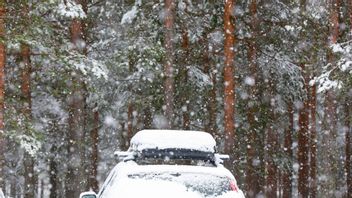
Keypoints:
pixel 197 185
pixel 206 185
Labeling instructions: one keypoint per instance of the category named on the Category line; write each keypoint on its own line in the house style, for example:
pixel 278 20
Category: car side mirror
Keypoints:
pixel 89 194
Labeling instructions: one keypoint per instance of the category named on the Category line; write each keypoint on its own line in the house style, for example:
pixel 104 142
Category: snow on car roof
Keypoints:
pixel 176 139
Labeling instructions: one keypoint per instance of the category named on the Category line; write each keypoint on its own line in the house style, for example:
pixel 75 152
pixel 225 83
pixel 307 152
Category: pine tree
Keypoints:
pixel 229 81
pixel 2 92
pixel 252 180
pixel 77 114
pixel 168 67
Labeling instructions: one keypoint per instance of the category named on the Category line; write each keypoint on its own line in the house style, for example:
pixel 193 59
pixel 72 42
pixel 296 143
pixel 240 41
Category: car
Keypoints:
pixel 169 163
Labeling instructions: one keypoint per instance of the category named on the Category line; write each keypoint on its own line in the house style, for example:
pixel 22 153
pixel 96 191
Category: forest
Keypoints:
pixel 271 80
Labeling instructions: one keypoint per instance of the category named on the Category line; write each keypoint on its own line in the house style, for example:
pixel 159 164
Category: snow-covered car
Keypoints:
pixel 2 194
pixel 169 163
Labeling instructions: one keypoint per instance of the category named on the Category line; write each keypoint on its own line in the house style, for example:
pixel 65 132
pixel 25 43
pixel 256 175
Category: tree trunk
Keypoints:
pixel 313 143
pixel 184 98
pixel 129 123
pixel 168 67
pixel 147 117
pixel 303 142
pixel 348 132
pixel 124 137
pixel 229 82
pixel 2 93
pixel 329 146
pixel 53 174
pixel 252 180
pixel 211 99
pixel 348 127
pixel 29 174
pixel 350 13
pixel 94 136
pixel 287 175
pixel 271 184
pixel 75 179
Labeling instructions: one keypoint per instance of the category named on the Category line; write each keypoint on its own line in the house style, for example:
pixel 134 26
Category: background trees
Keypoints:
pixel 83 76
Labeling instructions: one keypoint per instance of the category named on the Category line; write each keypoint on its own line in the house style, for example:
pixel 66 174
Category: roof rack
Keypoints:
pixel 215 158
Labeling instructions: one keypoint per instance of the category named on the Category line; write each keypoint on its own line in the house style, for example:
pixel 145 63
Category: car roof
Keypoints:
pixel 174 139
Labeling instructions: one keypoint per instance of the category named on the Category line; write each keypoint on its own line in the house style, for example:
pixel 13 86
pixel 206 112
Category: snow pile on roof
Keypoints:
pixel 173 139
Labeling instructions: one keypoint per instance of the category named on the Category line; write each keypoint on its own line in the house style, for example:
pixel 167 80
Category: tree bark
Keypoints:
pixel 124 137
pixel 147 117
pixel 303 141
pixel 348 132
pixel 329 146
pixel 252 179
pixel 184 98
pixel 168 67
pixel 53 174
pixel 211 99
pixel 271 184
pixel 287 175
pixel 350 13
pixel 229 82
pixel 75 179
pixel 129 123
pixel 2 93
pixel 313 143
pixel 29 174
pixel 94 136
pixel 348 127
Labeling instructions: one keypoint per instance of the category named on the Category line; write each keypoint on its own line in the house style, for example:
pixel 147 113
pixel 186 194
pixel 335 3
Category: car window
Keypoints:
pixel 107 182
pixel 207 185
pixel 197 184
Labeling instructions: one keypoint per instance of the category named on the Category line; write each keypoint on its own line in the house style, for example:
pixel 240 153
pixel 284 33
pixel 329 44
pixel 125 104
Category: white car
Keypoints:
pixel 2 194
pixel 167 163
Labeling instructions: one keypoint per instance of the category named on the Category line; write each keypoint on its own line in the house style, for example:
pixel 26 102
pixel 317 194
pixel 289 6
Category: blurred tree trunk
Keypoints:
pixel 348 131
pixel 13 188
pixel 329 146
pixel 168 67
pixel 29 174
pixel 252 179
pixel 303 122
pixel 148 119
pixel 2 92
pixel 229 82
pixel 348 127
pixel 288 172
pixel 76 181
pixel 313 142
pixel 124 139
pixel 350 13
pixel 184 70
pixel 130 105
pixel 129 123
pixel 271 184
pixel 303 140
pixel 209 68
pixel 53 170
pixel 94 136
